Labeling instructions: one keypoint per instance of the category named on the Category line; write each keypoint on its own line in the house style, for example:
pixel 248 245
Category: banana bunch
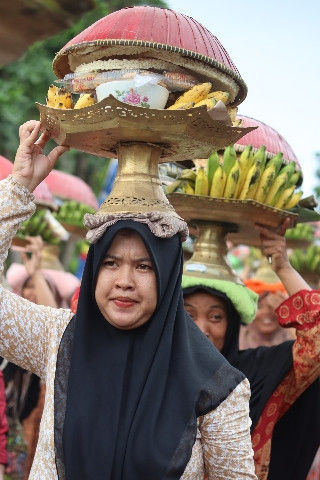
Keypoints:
pixel 306 261
pixel 302 231
pixel 61 98
pixel 201 95
pixel 72 213
pixel 42 224
pixel 243 176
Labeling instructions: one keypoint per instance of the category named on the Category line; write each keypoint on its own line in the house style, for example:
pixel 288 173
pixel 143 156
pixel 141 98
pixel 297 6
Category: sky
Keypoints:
pixel 275 45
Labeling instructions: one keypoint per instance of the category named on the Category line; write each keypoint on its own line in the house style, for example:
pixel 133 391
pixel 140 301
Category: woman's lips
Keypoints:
pixel 123 302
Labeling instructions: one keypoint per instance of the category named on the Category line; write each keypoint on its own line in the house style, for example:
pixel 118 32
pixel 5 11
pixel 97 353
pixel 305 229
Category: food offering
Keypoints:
pixel 119 94
pixel 301 236
pixel 307 263
pixel 44 224
pixel 71 215
pixel 243 176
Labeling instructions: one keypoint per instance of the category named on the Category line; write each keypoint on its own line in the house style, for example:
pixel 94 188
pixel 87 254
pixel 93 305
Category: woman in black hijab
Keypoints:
pixel 134 390
pixel 284 404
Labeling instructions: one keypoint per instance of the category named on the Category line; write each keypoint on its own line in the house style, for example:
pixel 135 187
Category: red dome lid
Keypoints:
pixel 42 193
pixel 158 28
pixel 70 187
pixel 268 136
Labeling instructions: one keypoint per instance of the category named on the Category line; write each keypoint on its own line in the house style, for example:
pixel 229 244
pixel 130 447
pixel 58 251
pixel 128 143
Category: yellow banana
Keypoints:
pixel 195 94
pixel 293 201
pixel 232 181
pixel 232 111
pixel 181 106
pixel 172 187
pixel 250 184
pixel 212 165
pixel 218 95
pixel 276 187
pixel 266 180
pixel 218 183
pixel 229 158
pixel 284 197
pixel 208 102
pixel 245 162
pixel 51 96
pixel 85 100
pixel 188 174
pixel 188 188
pixel 202 184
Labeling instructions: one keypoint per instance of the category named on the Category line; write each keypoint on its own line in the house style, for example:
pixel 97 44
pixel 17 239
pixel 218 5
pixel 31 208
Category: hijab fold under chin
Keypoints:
pixel 133 397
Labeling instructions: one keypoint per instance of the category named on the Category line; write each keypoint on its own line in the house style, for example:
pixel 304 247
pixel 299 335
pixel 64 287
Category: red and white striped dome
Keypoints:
pixel 268 136
pixel 151 28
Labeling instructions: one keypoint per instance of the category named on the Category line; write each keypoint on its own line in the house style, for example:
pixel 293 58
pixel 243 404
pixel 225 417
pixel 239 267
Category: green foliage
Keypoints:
pixel 26 81
pixel 317 188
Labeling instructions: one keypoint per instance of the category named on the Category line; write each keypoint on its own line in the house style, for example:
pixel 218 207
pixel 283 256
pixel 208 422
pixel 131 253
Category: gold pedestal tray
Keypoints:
pixel 242 213
pixel 75 230
pixel 210 252
pixel 98 129
pixel 19 242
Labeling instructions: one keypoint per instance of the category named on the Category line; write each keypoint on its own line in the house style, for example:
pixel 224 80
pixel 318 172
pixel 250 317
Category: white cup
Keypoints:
pixel 148 95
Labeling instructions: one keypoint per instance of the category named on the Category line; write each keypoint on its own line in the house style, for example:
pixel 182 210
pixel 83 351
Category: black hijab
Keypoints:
pixel 133 396
pixel 296 436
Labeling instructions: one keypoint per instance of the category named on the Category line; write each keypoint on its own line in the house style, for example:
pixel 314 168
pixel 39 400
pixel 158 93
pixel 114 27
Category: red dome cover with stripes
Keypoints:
pixel 268 136
pixel 158 25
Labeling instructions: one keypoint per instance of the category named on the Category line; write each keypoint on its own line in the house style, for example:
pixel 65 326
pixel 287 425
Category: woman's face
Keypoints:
pixel 209 314
pixel 126 290
pixel 29 291
pixel 266 320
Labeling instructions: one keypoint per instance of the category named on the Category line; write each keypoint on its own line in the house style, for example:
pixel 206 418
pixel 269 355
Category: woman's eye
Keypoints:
pixel 215 318
pixel 109 263
pixel 144 266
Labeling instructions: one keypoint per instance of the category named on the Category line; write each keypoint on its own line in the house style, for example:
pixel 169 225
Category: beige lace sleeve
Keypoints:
pixel 25 328
pixel 225 438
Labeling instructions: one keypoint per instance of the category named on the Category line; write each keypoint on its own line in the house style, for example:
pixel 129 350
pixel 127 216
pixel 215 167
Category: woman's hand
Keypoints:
pixel 274 246
pixel 33 264
pixel 31 166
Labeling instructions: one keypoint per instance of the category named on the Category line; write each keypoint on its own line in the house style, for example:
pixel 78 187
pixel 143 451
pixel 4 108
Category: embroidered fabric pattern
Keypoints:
pixel 301 311
pixel 161 224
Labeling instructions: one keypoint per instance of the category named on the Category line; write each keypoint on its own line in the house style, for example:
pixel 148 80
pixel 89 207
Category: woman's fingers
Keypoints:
pixel 43 139
pixel 29 132
pixel 55 154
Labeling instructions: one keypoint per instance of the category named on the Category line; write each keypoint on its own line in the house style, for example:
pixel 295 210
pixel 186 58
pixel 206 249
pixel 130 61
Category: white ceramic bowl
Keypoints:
pixel 147 96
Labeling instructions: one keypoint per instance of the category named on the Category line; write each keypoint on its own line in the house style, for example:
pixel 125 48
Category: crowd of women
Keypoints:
pixel 154 375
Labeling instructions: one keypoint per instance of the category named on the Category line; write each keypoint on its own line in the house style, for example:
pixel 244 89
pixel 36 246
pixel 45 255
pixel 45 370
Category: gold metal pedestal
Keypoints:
pixel 209 258
pixel 137 187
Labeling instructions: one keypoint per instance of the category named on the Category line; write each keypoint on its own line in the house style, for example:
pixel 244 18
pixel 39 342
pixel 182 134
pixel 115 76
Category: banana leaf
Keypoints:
pixel 306 214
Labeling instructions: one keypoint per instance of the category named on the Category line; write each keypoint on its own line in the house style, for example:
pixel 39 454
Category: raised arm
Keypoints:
pixel 25 328
pixel 274 246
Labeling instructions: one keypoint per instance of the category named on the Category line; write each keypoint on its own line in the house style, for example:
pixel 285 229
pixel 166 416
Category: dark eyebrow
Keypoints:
pixel 142 259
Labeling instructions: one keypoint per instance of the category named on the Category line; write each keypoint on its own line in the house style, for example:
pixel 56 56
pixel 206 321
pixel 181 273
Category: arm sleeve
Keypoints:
pixel 301 311
pixel 25 328
pixel 226 440
pixel 3 424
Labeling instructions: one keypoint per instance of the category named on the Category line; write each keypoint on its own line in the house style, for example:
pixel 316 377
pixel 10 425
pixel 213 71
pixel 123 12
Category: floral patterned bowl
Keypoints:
pixel 148 95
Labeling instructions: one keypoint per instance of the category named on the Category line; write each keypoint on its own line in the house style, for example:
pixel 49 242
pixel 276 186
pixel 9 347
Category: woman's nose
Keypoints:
pixel 202 324
pixel 124 278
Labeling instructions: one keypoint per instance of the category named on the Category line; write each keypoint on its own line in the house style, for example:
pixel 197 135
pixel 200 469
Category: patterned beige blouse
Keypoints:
pixel 30 337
